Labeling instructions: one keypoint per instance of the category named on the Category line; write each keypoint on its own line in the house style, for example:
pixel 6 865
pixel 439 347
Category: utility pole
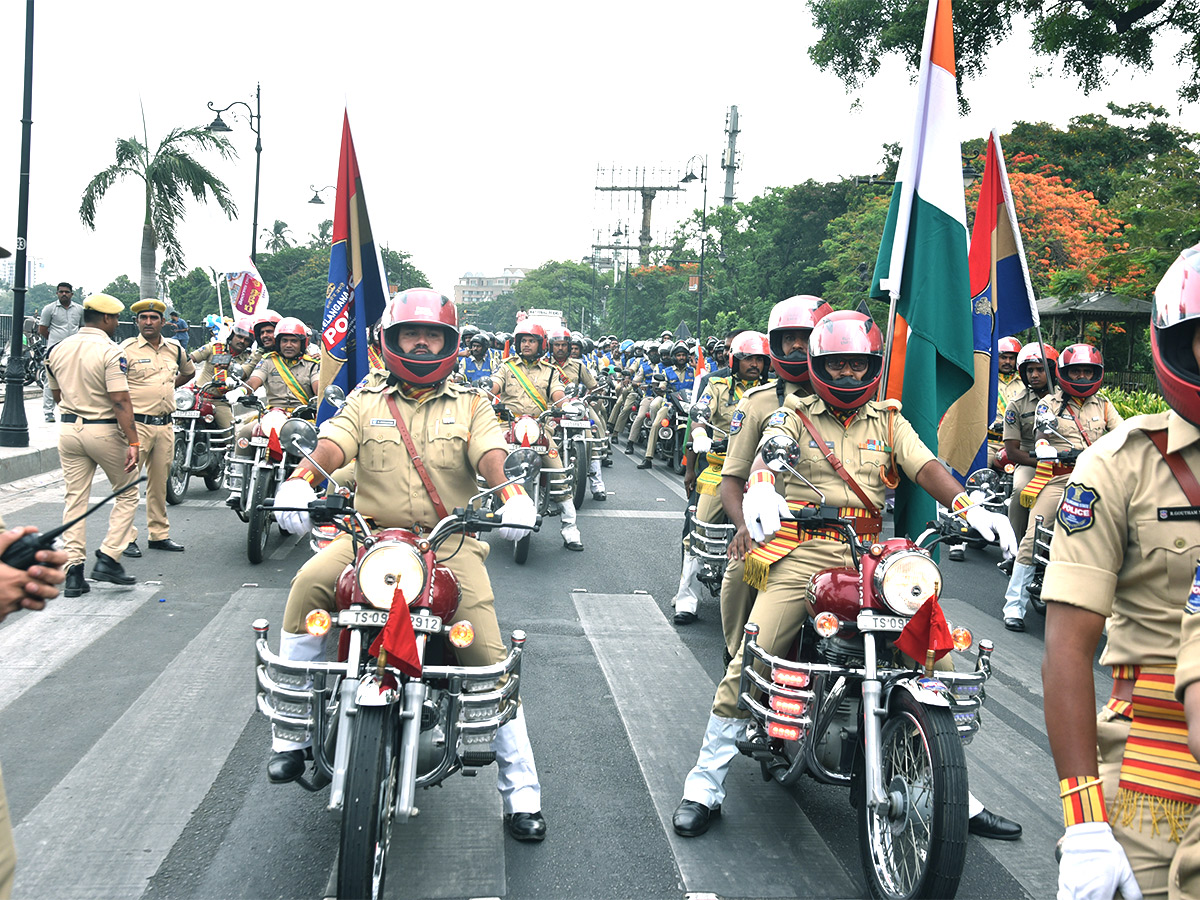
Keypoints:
pixel 730 160
pixel 648 193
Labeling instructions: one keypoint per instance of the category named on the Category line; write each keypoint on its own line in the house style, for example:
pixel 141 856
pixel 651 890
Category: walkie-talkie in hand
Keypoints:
pixel 22 553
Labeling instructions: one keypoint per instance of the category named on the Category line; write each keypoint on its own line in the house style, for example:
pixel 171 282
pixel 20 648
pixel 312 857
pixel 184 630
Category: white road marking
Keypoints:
pixel 630 513
pixel 289 541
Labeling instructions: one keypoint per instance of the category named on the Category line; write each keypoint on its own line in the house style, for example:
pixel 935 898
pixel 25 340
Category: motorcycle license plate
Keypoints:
pixel 377 618
pixel 541 449
pixel 872 621
pixel 259 441
pixel 188 414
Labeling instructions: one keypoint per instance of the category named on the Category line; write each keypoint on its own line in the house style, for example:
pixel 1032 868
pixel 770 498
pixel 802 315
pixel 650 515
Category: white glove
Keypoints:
pixel 762 509
pixel 519 511
pixel 299 493
pixel 1043 450
pixel 1093 865
pixel 993 526
pixel 701 442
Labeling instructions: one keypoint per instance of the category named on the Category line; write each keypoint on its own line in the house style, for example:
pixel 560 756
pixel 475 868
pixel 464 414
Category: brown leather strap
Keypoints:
pixel 837 465
pixel 1187 481
pixel 1078 424
pixel 438 506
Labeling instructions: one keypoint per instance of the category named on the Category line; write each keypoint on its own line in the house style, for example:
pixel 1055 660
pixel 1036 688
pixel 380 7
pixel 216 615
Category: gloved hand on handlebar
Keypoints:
pixel 701 442
pixel 517 516
pixel 990 525
pixel 295 492
pixel 1043 449
pixel 1093 865
pixel 762 507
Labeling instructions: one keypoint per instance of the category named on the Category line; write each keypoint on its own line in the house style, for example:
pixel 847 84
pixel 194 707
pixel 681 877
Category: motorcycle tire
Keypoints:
pixel 921 852
pixel 366 812
pixel 214 479
pixel 521 550
pixel 677 461
pixel 579 462
pixel 178 477
pixel 1035 596
pixel 259 531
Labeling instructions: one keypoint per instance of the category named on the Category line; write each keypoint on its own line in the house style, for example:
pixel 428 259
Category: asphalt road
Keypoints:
pixel 134 760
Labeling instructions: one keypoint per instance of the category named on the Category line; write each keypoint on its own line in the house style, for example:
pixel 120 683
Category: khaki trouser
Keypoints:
pixel 81 448
pixel 618 418
pixel 1018 515
pixel 158 449
pixel 643 410
pixel 222 413
pixel 737 599
pixel 313 588
pixel 8 850
pixel 1045 506
pixel 656 409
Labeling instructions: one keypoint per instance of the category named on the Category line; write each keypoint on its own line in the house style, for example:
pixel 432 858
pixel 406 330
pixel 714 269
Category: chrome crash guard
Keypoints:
pixel 801 699
pixel 299 700
pixel 709 543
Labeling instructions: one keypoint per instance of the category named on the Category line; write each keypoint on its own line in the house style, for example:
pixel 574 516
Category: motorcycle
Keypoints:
pixel 986 487
pixel 200 444
pixel 378 734
pixel 838 710
pixel 257 476
pixel 672 426
pixel 1043 533
pixel 33 359
pixel 580 444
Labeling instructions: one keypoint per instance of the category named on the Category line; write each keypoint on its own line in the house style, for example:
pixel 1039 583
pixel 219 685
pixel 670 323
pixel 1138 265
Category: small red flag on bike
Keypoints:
pixel 927 630
pixel 274 447
pixel 398 638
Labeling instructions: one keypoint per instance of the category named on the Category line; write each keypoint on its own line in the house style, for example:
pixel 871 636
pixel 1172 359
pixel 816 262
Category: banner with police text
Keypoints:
pixel 357 292
pixel 922 264
pixel 248 294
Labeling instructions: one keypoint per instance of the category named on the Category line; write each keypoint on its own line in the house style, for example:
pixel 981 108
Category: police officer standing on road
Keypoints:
pixel 454 430
pixel 157 365
pixel 86 372
pixel 58 321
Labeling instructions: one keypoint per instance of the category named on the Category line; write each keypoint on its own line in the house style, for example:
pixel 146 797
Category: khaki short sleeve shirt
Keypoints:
pixel 87 367
pixel 543 376
pixel 1018 419
pixel 1095 413
pixel 152 373
pixel 278 393
pixel 747 423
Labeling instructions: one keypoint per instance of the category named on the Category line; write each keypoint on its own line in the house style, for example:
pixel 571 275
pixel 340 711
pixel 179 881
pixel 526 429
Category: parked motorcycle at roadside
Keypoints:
pixel 33 359
pixel 844 708
pixel 200 443
pixel 377 733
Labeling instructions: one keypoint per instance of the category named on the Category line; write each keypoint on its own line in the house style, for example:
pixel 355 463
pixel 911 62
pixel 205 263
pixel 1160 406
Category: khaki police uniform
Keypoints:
pixel 860 445
pixel 573 371
pixel 1125 547
pixel 213 356
pixel 717 406
pixel 745 431
pixel 278 393
pixel 86 367
pixel 152 374
pixel 1097 415
pixel 1018 426
pixel 545 380
pixel 1008 387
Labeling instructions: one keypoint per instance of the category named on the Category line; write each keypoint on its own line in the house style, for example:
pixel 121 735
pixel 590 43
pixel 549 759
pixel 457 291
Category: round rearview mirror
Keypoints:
pixel 780 451
pixel 523 463
pixel 334 396
pixel 298 436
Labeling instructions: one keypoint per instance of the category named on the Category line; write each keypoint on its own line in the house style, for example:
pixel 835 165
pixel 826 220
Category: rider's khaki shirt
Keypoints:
pixel 861 445
pixel 1018 419
pixel 152 373
pixel 452 429
pixel 87 367
pixel 717 404
pixel 1126 542
pixel 239 366
pixel 574 371
pixel 304 369
pixel 749 419
pixel 1095 413
pixel 543 376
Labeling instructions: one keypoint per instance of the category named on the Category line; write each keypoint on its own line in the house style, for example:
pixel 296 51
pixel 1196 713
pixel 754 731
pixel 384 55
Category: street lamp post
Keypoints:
pixel 316 197
pixel 687 179
pixel 218 125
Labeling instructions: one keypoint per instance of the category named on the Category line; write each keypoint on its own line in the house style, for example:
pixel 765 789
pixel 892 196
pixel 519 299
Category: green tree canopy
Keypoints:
pixel 123 288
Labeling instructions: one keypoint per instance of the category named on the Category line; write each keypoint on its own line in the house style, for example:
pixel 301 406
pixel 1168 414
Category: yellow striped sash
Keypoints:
pixel 1041 476
pixel 526 384
pixel 290 381
pixel 709 481
pixel 790 536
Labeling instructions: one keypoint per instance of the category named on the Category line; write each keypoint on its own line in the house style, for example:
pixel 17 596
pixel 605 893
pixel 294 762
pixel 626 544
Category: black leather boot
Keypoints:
pixel 285 766
pixel 75 583
pixel 108 569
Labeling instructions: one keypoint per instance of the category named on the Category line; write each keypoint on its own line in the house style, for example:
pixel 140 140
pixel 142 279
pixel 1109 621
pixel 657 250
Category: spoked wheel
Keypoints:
pixel 579 462
pixel 179 476
pixel 259 532
pixel 367 811
pixel 214 475
pixel 916 846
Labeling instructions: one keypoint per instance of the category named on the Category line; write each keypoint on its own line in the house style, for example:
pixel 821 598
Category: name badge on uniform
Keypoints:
pixel 1193 600
pixel 447 420
pixel 140 361
pixel 387 422
pixel 815 445
pixel 1176 513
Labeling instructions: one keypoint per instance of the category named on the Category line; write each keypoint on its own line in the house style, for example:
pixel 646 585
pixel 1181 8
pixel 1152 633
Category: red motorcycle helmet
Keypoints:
pixel 802 311
pixel 244 326
pixel 557 333
pixel 531 329
pixel 747 344
pixel 1031 353
pixel 1172 328
pixel 1009 345
pixel 420 306
pixel 842 333
pixel 291 326
pixel 267 318
pixel 1081 355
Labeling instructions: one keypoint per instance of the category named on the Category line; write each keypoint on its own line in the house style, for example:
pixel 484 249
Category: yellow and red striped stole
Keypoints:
pixel 1041 475
pixel 1116 704
pixel 709 481
pixel 788 538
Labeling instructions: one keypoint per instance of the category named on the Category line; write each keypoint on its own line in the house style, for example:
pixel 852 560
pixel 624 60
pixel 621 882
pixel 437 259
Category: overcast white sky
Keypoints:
pixel 479 126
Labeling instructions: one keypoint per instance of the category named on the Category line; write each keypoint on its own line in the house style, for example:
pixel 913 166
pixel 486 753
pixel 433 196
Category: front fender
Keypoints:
pixel 925 694
pixel 371 692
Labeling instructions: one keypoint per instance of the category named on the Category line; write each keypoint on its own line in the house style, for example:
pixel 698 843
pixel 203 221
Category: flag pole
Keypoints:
pixel 887 346
pixel 217 283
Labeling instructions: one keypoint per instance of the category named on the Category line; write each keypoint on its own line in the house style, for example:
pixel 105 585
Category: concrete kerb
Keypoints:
pixel 41 455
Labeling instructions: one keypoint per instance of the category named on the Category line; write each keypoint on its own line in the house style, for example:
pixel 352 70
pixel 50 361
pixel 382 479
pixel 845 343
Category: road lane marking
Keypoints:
pixel 289 541
pixel 106 827
pixel 630 514
pixel 637 648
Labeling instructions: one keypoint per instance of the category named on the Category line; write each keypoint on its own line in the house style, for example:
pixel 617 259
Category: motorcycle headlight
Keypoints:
pixel 526 429
pixel 574 410
pixel 184 399
pixel 906 579
pixel 386 565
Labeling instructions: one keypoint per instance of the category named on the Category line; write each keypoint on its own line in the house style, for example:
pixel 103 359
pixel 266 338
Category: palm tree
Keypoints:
pixel 322 236
pixel 169 175
pixel 277 237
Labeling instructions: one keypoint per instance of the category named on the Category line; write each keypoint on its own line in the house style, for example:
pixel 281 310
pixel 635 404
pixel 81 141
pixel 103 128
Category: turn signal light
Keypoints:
pixel 783 732
pixel 462 634
pixel 788 706
pixel 962 638
pixel 792 678
pixel 666 423
pixel 317 623
pixel 827 624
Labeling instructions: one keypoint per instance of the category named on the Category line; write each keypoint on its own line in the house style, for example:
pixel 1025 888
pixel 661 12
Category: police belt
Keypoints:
pixel 152 420
pixel 71 418
pixel 1062 469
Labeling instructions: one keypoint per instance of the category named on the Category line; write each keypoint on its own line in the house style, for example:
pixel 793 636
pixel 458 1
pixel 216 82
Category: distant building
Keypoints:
pixel 475 287
pixel 35 271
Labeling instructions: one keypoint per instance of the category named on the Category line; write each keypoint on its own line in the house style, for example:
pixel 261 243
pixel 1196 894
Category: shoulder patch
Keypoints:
pixel 1193 600
pixel 124 364
pixel 735 424
pixel 1010 416
pixel 777 418
pixel 1076 512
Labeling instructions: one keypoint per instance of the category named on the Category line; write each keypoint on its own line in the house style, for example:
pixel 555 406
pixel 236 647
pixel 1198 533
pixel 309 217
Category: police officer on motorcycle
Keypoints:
pixel 680 376
pixel 573 370
pixel 455 432
pixel 478 364
pixel 222 359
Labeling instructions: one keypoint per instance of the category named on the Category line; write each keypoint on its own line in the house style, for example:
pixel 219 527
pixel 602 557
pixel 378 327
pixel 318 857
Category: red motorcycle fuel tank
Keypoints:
pixel 837 591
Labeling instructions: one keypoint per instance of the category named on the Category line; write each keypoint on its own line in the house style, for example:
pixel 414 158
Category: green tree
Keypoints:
pixel 124 290
pixel 193 296
pixel 168 176
pixel 401 273
pixel 851 248
pixel 1087 37
pixel 277 237
pixel 323 236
